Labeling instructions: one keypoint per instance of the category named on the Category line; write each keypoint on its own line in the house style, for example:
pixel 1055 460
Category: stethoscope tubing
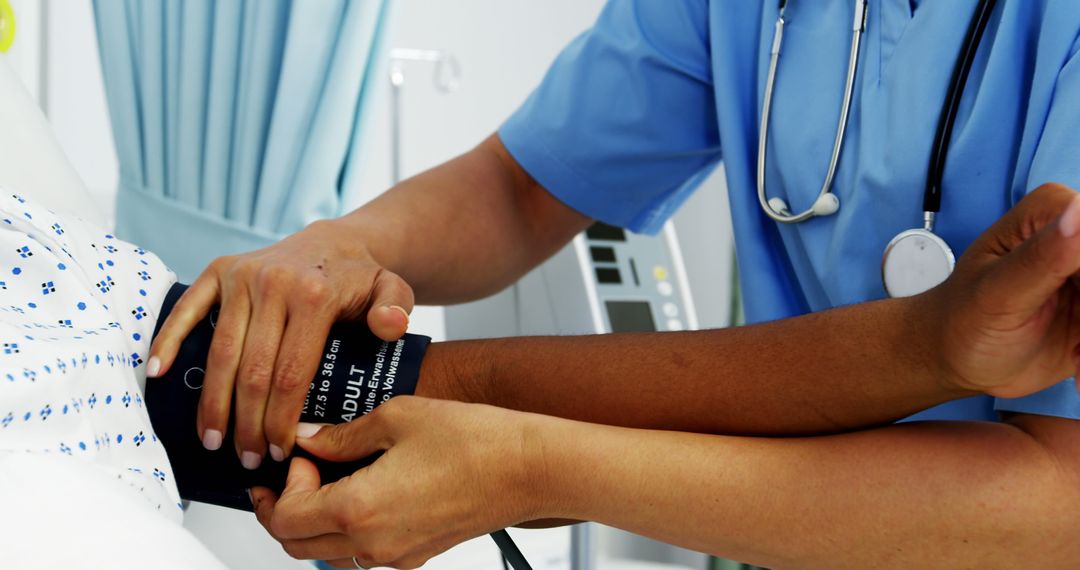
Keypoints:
pixel 858 26
pixel 940 151
pixel 942 138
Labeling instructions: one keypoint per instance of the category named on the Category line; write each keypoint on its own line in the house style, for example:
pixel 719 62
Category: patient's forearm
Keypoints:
pixel 838 370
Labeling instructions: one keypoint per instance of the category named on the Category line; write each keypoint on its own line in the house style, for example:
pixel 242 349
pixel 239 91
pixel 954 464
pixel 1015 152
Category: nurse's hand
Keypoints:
pixel 450 472
pixel 1011 311
pixel 278 305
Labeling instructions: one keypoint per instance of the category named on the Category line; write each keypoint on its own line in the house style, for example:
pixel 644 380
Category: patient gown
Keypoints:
pixel 81 470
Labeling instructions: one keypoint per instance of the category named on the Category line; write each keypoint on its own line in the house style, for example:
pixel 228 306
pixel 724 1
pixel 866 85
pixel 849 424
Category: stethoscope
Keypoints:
pixel 916 260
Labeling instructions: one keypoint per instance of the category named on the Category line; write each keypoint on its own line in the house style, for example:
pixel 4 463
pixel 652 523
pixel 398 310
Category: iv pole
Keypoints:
pixel 446 77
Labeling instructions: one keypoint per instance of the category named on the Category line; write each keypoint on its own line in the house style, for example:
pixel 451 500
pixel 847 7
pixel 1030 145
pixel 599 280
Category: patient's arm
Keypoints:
pixel 746 380
pixel 1003 324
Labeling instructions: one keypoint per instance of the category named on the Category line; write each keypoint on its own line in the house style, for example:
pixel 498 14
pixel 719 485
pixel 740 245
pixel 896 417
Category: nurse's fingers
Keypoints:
pixel 1029 276
pixel 298 362
pixel 1042 207
pixel 190 309
pixel 391 303
pixel 345 563
pixel 304 510
pixel 357 439
pixel 221 363
pixel 264 501
pixel 253 379
pixel 325 547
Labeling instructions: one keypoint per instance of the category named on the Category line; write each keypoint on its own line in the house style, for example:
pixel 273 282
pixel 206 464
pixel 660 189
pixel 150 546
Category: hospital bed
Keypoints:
pixel 33 164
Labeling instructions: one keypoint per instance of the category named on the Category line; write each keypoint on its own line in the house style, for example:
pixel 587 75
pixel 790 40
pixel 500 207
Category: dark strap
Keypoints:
pixel 358 372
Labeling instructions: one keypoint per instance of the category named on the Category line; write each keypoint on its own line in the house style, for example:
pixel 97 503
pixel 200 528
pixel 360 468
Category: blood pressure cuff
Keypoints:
pixel 358 372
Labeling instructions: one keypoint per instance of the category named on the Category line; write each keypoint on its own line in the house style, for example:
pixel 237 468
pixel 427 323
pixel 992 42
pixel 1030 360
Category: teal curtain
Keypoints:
pixel 236 122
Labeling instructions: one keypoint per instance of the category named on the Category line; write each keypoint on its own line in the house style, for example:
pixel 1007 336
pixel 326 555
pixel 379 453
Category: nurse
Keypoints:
pixel 629 119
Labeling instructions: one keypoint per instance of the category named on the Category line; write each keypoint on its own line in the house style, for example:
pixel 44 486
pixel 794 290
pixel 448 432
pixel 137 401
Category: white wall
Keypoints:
pixel 25 55
pixel 55 55
pixel 504 47
pixel 74 96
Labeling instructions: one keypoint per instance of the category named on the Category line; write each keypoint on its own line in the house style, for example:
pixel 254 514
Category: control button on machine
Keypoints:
pixel 674 325
pixel 602 254
pixel 670 309
pixel 603 232
pixel 665 288
pixel 660 273
pixel 608 275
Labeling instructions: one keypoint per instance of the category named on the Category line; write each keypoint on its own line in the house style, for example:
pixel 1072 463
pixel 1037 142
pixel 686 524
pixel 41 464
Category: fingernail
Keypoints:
pixel 276 453
pixel 306 430
pixel 250 460
pixel 153 366
pixel 403 311
pixel 211 439
pixel 1069 224
pixel 250 496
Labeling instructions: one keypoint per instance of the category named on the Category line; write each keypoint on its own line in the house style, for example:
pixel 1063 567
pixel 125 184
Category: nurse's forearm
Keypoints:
pixel 464 229
pixel 837 370
pixel 934 495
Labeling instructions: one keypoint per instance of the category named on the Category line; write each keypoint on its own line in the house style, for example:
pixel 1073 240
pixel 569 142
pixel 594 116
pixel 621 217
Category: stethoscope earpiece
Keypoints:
pixel 778 205
pixel 826 205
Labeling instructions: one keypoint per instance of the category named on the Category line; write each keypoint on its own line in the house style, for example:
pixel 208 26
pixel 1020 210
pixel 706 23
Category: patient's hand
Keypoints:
pixel 278 304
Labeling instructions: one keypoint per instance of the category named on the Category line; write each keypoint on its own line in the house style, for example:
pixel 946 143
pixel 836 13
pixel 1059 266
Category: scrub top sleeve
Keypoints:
pixel 1056 160
pixel 623 126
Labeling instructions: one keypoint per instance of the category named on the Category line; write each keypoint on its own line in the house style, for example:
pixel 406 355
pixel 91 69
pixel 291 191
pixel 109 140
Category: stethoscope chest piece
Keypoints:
pixel 915 261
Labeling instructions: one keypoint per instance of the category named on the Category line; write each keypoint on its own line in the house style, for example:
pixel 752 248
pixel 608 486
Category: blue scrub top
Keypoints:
pixel 640 108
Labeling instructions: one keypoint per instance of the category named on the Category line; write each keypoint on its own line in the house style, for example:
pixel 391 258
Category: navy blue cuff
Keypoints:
pixel 357 373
